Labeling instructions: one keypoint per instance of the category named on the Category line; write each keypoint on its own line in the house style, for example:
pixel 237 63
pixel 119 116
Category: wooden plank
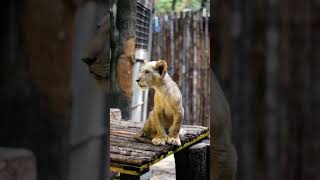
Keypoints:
pixel 116 136
pixel 133 160
pixel 193 127
pixel 136 145
pixel 125 124
pixel 132 152
pixel 138 166
pixel 124 130
pixel 126 151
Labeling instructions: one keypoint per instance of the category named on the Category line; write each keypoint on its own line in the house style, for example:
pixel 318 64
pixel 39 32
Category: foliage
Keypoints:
pixel 164 6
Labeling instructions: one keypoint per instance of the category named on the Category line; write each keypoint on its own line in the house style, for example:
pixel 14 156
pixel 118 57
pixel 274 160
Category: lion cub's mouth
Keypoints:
pixel 143 86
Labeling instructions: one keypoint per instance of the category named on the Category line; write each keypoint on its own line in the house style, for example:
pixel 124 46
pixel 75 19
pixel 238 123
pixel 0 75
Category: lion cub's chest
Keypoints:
pixel 167 113
pixel 168 116
pixel 165 107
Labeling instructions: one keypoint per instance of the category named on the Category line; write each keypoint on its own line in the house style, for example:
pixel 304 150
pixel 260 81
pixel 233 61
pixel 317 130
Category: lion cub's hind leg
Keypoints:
pixel 148 132
pixel 140 137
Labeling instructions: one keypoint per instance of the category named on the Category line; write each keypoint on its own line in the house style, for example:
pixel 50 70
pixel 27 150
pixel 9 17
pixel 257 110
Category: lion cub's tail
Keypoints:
pixel 139 137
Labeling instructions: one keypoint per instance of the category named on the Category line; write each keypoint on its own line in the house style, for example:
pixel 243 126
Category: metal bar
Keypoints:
pixel 143 21
pixel 140 26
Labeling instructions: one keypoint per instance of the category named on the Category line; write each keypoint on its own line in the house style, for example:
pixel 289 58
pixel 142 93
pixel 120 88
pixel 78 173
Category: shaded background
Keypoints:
pixel 267 57
pixel 182 39
pixel 50 105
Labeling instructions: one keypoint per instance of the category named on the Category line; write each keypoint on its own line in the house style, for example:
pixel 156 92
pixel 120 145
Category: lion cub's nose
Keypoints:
pixel 138 80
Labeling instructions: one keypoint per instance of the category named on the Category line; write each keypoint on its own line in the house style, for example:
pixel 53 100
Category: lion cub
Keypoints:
pixel 164 121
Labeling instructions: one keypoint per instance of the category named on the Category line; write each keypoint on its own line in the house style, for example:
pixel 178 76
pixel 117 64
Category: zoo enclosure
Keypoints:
pixel 182 39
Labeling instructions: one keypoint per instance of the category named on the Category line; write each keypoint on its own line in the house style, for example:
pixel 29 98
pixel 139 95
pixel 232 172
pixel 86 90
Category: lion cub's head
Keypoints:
pixel 151 73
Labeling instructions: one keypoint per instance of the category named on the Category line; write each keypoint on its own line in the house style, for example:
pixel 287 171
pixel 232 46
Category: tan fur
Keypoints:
pixel 164 121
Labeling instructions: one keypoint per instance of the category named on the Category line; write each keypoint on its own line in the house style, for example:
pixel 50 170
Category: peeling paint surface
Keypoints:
pixel 125 67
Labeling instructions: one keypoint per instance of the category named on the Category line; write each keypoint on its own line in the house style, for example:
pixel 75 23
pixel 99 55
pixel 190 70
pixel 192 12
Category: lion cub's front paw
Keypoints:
pixel 158 141
pixel 174 141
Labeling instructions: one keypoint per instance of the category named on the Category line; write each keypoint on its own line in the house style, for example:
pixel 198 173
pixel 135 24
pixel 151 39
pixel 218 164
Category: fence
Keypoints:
pixel 182 39
pixel 268 60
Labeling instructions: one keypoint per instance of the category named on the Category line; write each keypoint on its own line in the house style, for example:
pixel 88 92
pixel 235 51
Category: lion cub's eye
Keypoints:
pixel 146 71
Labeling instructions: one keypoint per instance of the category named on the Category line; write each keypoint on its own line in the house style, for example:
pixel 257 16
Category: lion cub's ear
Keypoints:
pixel 161 67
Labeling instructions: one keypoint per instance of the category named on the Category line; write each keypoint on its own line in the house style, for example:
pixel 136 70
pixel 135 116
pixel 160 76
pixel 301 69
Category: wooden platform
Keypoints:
pixel 128 156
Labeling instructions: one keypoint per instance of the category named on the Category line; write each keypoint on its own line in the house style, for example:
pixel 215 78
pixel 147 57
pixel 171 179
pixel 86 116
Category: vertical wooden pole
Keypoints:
pixel 207 71
pixel 194 64
pixel 237 50
pixel 122 55
pixel 171 42
pixel 271 113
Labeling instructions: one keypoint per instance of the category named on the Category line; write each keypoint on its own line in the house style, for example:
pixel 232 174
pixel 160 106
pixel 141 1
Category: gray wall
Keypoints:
pixel 89 103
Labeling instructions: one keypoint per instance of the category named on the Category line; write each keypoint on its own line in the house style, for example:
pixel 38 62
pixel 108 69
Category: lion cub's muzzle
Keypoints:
pixel 140 84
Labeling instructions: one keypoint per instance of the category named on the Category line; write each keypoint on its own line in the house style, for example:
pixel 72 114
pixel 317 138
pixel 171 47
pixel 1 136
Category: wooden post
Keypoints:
pixel 193 163
pixel 271 92
pixel 122 55
pixel 129 177
pixel 172 48
pixel 36 103
pixel 115 114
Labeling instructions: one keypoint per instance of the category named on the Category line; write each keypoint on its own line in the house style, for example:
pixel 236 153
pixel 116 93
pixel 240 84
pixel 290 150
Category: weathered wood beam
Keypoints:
pixel 193 163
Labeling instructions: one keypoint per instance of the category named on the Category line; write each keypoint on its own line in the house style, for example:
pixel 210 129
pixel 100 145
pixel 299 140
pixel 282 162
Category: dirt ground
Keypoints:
pixel 164 170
